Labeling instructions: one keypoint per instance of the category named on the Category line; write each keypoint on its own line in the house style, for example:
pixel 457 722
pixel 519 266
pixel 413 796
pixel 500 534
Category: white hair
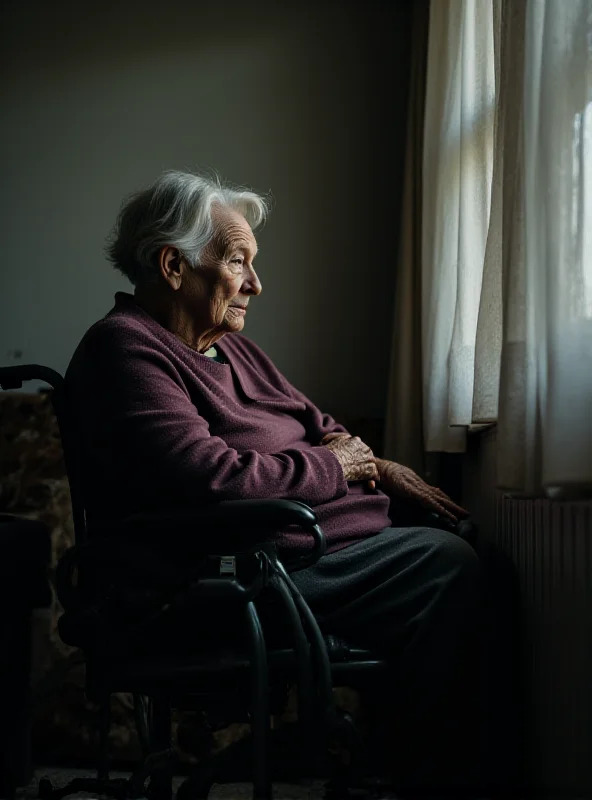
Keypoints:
pixel 176 211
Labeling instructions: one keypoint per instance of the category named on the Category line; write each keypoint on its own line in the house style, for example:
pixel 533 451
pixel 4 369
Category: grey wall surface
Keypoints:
pixel 304 100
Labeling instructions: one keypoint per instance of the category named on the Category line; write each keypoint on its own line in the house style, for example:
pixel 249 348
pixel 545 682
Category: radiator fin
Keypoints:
pixel 551 545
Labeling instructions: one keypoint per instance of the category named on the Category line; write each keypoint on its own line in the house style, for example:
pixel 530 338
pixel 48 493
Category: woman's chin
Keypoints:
pixel 234 324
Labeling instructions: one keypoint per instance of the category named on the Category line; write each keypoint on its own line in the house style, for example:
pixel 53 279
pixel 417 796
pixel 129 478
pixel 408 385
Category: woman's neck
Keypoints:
pixel 176 319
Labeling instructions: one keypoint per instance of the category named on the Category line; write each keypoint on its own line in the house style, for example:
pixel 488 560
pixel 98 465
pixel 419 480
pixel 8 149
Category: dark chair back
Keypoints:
pixel 13 378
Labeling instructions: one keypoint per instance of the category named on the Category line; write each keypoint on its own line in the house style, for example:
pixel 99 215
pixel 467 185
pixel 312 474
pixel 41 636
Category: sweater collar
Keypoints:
pixel 126 303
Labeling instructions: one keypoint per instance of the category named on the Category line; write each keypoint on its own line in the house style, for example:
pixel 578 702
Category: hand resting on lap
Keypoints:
pixel 396 480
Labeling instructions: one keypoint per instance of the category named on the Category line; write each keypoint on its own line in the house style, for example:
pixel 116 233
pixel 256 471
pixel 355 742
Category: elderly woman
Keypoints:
pixel 176 408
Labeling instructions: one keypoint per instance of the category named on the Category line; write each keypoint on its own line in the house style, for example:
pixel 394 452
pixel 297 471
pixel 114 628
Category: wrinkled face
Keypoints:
pixel 219 291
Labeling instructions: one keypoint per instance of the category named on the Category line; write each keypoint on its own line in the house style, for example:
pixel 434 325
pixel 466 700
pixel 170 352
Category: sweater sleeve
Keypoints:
pixel 152 427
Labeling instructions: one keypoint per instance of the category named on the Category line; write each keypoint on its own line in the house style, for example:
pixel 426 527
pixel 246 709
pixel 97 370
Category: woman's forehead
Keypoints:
pixel 231 229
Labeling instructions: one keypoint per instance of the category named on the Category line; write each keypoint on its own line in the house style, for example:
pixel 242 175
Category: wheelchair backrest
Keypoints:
pixel 13 377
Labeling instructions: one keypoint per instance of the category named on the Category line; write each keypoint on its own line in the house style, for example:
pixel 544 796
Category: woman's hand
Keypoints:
pixel 356 459
pixel 402 483
pixel 399 482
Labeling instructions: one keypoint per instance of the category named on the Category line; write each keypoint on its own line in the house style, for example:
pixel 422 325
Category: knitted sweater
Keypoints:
pixel 162 426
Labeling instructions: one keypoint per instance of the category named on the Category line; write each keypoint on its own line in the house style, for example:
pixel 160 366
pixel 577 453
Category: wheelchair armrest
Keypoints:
pixel 13 377
pixel 224 528
pixel 264 514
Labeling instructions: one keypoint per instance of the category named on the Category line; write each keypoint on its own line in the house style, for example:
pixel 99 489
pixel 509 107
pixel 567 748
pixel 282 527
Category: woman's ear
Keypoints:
pixel 172 266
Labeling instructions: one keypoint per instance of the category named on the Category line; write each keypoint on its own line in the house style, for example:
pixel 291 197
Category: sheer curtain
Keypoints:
pixel 457 173
pixel 507 240
pixel 555 398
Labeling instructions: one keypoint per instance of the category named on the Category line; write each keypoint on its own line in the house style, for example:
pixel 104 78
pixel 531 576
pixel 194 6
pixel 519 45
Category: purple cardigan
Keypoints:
pixel 163 426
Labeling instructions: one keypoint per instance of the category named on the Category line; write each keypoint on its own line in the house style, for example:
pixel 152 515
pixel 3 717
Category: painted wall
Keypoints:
pixel 305 100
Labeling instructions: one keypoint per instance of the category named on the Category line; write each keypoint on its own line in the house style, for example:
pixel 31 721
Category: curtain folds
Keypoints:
pixel 506 257
pixel 404 423
pixel 457 175
pixel 555 397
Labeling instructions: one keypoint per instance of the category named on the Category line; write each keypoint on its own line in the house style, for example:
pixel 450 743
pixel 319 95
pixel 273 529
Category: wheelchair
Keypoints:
pixel 121 594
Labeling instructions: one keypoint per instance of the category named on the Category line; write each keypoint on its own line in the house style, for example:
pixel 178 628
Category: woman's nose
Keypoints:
pixel 252 284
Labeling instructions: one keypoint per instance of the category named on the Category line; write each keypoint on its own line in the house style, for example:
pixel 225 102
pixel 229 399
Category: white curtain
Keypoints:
pixel 507 271
pixel 556 395
pixel 457 171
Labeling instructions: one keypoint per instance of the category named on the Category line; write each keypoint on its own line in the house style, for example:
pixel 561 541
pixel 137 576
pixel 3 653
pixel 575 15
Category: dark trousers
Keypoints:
pixel 445 615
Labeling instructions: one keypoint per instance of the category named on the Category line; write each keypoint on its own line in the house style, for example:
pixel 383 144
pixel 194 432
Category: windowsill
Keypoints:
pixel 479 428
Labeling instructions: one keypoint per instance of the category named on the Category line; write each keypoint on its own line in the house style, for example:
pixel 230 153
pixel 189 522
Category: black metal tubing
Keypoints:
pixel 262 789
pixel 351 668
pixel 319 651
pixel 226 589
pixel 265 515
pixel 13 377
pixel 340 724
pixel 318 550
pixel 304 679
pixel 258 520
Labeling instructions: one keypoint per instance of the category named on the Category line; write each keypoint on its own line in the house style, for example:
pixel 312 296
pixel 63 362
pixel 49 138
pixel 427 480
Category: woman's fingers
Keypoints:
pixel 450 504
pixel 441 497
pixel 329 437
pixel 401 481
pixel 440 509
pixel 365 471
pixel 359 464
pixel 429 499
pixel 368 471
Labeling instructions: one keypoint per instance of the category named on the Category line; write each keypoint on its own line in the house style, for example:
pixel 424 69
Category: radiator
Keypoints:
pixel 551 545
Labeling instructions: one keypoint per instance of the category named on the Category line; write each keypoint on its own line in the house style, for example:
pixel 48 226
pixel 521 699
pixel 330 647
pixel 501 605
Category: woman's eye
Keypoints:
pixel 237 261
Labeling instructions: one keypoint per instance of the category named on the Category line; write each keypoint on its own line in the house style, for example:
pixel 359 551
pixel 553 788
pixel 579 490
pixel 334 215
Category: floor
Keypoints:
pixel 311 790
pixel 307 790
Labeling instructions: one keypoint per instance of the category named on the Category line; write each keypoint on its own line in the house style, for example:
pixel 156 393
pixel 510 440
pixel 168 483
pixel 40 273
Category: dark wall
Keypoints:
pixel 306 100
